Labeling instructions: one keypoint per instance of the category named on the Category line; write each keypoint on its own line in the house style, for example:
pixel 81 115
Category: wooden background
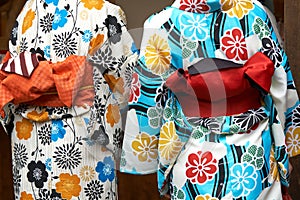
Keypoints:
pixel 132 187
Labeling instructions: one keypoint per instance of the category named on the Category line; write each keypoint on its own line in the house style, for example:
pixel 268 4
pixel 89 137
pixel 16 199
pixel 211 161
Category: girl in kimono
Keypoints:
pixel 63 84
pixel 213 108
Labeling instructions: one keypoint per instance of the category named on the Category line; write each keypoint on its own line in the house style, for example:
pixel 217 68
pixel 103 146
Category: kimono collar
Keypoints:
pixel 197 6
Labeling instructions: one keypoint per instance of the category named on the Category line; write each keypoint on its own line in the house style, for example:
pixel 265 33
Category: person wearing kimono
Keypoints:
pixel 63 85
pixel 213 108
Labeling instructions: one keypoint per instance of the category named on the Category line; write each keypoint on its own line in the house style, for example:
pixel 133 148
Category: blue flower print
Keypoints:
pixel 47 51
pixel 60 18
pixel 87 35
pixel 55 2
pixel 58 130
pixel 106 169
pixel 194 27
pixel 242 179
pixel 48 164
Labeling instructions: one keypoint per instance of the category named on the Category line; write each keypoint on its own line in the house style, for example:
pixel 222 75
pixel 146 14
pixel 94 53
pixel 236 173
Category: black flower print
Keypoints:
pixel 19 156
pixel 118 138
pixel 37 173
pixel 44 194
pixel 67 156
pixel 46 23
pixel 23 45
pixel 16 180
pixel 248 119
pixel 64 45
pixel 271 50
pixel 38 51
pixel 55 196
pixel 94 190
pixel 128 74
pixel 44 134
pixel 103 59
pixel 57 111
pixel 114 29
pixel 14 33
pixel 100 136
pixel 21 109
pixel 296 116
pixel 161 95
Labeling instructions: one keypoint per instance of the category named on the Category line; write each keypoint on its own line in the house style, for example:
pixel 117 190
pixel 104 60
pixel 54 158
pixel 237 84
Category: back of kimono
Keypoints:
pixel 213 109
pixel 67 150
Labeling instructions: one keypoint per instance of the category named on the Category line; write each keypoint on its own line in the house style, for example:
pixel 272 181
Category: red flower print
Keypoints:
pixel 196 6
pixel 201 167
pixel 233 45
pixel 135 90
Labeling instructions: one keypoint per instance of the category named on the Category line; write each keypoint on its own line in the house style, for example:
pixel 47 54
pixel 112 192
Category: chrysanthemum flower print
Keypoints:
pixel 90 4
pixel 145 147
pixel 169 144
pixel 26 196
pixel 157 55
pixel 113 114
pixel 201 167
pixel 68 185
pixel 135 89
pixel 24 129
pixel 205 197
pixel 87 173
pixel 28 19
pixel 196 6
pixel 233 44
pixel 293 141
pixel 237 8
pixel 194 27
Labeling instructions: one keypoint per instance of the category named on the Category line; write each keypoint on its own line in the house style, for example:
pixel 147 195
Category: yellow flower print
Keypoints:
pixel 169 144
pixel 90 4
pixel 205 197
pixel 84 15
pixel 237 8
pixel 87 173
pixel 95 42
pixel 293 141
pixel 28 19
pixel 113 114
pixel 24 128
pixel 38 117
pixel 68 186
pixel 273 167
pixel 145 146
pixel 157 55
pixel 25 196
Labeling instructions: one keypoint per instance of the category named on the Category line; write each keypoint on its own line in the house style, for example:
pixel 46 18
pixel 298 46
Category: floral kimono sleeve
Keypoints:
pixel 283 90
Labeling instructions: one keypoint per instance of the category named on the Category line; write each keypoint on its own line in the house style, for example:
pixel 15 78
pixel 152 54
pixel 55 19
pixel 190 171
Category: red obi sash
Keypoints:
pixel 221 91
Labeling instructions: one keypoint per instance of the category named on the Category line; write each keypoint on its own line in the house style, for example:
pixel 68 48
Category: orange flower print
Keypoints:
pixel 113 114
pixel 38 117
pixel 25 196
pixel 273 167
pixel 90 4
pixel 28 19
pixel 87 173
pixel 237 8
pixel 115 84
pixel 145 147
pixel 157 55
pixel 24 129
pixel 169 143
pixel 95 42
pixel 84 15
pixel 293 141
pixel 205 197
pixel 68 186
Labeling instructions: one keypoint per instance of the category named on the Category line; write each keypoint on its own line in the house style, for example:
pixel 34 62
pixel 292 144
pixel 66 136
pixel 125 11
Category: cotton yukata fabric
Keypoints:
pixel 241 154
pixel 64 116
